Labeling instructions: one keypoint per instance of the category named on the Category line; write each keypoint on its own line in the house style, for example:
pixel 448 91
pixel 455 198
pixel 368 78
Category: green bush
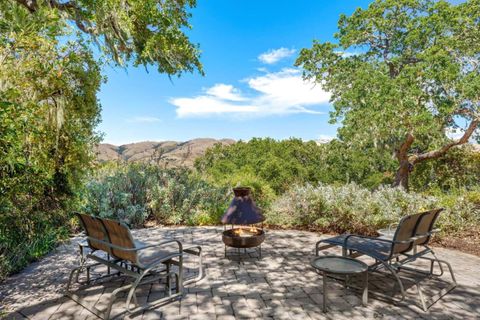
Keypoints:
pixel 119 194
pixel 133 192
pixel 347 207
pixel 26 239
pixel 462 211
pixel 272 163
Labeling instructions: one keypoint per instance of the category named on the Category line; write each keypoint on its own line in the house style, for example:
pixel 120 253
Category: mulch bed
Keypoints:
pixel 467 241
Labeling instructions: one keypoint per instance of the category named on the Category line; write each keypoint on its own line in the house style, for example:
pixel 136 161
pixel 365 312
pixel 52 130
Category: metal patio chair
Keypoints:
pixel 142 262
pixel 95 229
pixel 395 253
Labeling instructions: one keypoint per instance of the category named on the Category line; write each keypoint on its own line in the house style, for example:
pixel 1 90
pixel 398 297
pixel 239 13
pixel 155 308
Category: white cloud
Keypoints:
pixel 225 92
pixel 145 119
pixel 275 55
pixel 324 138
pixel 278 93
pixel 208 105
pixel 346 54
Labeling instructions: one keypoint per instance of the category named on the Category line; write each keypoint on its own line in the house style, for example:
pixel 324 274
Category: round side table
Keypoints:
pixel 341 266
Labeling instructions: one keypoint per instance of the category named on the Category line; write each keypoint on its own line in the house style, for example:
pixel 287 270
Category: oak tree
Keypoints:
pixel 404 76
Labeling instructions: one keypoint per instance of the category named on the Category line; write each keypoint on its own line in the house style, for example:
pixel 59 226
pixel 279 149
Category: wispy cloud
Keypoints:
pixel 275 55
pixel 144 119
pixel 278 93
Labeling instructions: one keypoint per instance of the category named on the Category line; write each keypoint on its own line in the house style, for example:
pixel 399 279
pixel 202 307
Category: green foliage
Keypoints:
pixel 49 78
pixel 345 208
pixel 147 32
pixel 262 162
pixel 402 75
pixel 121 194
pixel 47 118
pixel 133 192
pixel 459 169
pixel 25 239
pixel 340 163
pixel 351 208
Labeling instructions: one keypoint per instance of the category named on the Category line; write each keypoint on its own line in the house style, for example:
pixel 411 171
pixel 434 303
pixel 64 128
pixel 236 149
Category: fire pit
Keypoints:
pixel 243 237
pixel 244 213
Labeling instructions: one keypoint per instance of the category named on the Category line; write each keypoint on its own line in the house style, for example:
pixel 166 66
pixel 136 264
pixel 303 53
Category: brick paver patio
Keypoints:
pixel 280 286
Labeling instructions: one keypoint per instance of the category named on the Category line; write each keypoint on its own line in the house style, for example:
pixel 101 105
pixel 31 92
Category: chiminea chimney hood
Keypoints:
pixel 242 209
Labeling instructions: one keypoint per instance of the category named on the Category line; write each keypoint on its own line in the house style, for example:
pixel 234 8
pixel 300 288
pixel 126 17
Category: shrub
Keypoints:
pixel 25 239
pixel 277 164
pixel 345 208
pixel 120 194
pixel 462 211
pixel 133 192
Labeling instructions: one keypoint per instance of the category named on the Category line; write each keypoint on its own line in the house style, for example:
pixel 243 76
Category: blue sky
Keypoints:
pixel 250 89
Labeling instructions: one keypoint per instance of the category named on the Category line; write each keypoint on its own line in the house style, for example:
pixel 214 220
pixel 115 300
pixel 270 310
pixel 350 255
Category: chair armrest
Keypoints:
pixel 365 237
pixel 392 226
pixel 427 234
pixel 195 250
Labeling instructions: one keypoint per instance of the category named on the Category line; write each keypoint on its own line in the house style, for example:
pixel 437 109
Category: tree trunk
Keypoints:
pixel 403 173
pixel 405 166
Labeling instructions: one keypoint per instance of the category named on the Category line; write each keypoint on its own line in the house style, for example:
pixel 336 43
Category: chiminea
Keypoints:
pixel 243 211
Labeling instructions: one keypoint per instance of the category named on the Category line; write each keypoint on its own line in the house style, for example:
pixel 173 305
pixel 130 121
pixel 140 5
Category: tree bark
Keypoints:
pixel 403 172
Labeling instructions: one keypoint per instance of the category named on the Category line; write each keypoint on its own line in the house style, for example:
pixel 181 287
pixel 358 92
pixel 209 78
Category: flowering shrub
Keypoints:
pixel 134 192
pixel 345 208
pixel 131 193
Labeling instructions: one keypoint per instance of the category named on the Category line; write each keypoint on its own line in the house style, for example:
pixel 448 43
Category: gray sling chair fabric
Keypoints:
pixel 144 263
pixel 393 254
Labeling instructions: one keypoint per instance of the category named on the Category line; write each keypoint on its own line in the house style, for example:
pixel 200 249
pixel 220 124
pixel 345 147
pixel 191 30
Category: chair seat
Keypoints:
pixel 147 256
pixel 379 250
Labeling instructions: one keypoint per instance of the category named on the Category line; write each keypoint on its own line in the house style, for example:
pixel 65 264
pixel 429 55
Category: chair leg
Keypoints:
pixel 422 297
pixel 197 251
pixel 399 281
pixel 439 264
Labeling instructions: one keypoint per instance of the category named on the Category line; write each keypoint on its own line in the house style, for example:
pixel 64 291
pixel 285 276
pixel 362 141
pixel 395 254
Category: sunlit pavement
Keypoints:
pixel 282 285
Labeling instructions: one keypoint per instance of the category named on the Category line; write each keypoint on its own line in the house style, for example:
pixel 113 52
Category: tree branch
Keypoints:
pixel 31 5
pixel 402 152
pixel 69 7
pixel 443 150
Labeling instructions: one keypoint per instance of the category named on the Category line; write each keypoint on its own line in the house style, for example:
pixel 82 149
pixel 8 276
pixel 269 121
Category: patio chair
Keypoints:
pixel 94 229
pixel 144 263
pixel 393 254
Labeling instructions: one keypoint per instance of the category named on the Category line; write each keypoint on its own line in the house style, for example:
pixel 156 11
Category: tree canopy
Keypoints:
pixel 143 31
pixel 403 74
pixel 51 53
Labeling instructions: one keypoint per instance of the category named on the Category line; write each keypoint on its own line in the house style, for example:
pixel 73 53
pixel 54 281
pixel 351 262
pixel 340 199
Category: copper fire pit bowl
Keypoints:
pixel 243 237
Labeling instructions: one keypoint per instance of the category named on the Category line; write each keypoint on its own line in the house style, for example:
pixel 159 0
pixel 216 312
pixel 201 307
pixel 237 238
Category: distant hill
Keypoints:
pixel 165 153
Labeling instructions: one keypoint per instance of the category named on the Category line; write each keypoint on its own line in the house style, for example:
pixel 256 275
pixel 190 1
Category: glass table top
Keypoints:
pixel 339 265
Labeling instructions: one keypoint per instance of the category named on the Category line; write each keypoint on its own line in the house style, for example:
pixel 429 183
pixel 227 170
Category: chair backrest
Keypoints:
pixel 119 235
pixel 425 226
pixel 95 230
pixel 406 229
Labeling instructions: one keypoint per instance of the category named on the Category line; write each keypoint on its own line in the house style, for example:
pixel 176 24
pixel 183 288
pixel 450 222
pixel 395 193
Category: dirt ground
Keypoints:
pixel 467 241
